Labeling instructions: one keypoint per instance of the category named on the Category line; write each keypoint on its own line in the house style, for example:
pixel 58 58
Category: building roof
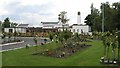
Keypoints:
pixel 23 25
pixel 79 25
pixel 49 28
pixel 49 22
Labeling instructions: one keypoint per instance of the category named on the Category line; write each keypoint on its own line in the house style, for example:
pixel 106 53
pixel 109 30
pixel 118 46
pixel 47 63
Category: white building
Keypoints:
pixel 21 28
pixel 50 24
pixel 75 28
pixel 54 25
pixel 79 27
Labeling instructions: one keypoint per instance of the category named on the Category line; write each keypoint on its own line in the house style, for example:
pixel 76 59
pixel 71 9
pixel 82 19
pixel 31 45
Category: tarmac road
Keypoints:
pixel 26 40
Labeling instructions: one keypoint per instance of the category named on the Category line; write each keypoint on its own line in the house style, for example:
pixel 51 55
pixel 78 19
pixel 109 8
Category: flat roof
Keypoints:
pixel 49 22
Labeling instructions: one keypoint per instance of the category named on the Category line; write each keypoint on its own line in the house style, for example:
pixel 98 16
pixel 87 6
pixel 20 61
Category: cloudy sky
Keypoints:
pixel 35 11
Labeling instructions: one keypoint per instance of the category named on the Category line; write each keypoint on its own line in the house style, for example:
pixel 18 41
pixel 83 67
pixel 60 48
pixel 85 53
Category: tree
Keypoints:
pixel 0 26
pixel 76 36
pixel 114 46
pixel 35 40
pixel 104 43
pixel 62 18
pixel 51 37
pixel 66 34
pixel 60 37
pixel 116 8
pixel 108 46
pixel 6 23
pixel 94 19
pixel 111 14
pixel 13 24
pixel 88 20
pixel 111 17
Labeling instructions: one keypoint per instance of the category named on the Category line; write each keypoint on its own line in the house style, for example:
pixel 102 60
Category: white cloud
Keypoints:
pixel 30 11
pixel 3 12
pixel 33 2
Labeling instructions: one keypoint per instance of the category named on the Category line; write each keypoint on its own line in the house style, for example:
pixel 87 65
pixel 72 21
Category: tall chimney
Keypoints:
pixel 78 18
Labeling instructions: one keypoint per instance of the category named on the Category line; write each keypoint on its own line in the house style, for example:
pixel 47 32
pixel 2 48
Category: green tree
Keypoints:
pixel 108 47
pixel 0 27
pixel 116 8
pixel 60 37
pixel 66 34
pixel 76 36
pixel 114 46
pixel 94 19
pixel 104 43
pixel 51 37
pixel 111 17
pixel 62 18
pixel 88 20
pixel 6 23
pixel 13 25
pixel 35 40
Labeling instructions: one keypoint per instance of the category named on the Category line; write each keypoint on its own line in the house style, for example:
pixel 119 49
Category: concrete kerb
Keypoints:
pixel 21 47
pixel 11 43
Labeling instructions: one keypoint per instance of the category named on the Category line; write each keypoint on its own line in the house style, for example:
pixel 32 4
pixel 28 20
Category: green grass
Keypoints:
pixel 23 57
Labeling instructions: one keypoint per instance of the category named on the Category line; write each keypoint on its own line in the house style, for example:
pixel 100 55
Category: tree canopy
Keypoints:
pixel 62 17
pixel 111 17
pixel 6 23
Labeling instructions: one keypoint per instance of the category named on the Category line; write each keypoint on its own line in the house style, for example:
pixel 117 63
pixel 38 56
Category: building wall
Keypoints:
pixel 21 30
pixel 80 28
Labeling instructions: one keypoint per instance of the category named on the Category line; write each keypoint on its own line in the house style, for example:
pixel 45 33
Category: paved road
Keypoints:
pixel 27 40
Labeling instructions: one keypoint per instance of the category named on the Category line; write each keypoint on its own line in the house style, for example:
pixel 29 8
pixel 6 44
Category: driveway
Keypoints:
pixel 26 40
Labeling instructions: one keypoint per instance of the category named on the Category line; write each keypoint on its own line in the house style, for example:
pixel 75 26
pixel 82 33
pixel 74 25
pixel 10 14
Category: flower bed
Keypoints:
pixel 64 51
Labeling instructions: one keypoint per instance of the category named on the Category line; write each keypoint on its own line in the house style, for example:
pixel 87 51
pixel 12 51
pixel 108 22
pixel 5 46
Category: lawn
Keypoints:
pixel 23 57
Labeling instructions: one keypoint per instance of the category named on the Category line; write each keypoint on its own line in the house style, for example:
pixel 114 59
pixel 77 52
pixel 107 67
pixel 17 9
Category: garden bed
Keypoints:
pixel 63 51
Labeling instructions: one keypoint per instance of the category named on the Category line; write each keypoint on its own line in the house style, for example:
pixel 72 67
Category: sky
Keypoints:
pixel 33 12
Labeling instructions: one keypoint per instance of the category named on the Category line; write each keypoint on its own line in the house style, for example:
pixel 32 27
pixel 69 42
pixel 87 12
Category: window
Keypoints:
pixel 73 30
pixel 10 30
pixel 77 30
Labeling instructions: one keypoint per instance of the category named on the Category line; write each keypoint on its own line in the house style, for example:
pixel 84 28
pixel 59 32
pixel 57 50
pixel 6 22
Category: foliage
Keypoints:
pixel 110 45
pixel 0 26
pixel 51 35
pixel 35 40
pixel 86 57
pixel 111 17
pixel 6 23
pixel 65 35
pixel 63 18
pixel 45 40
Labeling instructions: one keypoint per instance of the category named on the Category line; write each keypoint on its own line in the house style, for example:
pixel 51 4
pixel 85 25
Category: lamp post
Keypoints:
pixel 103 17
pixel 118 47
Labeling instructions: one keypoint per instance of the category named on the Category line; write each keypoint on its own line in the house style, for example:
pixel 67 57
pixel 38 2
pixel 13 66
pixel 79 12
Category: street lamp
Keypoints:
pixel 102 17
pixel 118 47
